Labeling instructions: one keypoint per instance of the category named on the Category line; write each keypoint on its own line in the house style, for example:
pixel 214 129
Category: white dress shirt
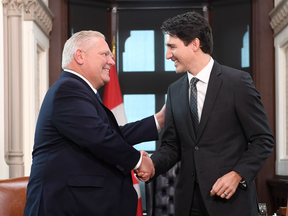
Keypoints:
pixel 201 85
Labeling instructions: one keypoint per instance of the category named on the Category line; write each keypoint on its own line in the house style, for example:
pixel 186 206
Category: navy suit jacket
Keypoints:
pixel 234 134
pixel 82 159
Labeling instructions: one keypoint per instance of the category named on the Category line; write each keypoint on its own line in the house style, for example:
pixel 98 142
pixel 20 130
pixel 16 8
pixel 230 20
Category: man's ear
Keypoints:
pixel 79 56
pixel 195 44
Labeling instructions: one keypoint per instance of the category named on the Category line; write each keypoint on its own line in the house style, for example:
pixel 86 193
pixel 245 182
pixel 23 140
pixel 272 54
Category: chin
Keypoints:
pixel 107 80
pixel 179 71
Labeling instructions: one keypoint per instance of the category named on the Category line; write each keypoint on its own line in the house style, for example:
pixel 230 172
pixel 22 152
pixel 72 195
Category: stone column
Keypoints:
pixel 12 86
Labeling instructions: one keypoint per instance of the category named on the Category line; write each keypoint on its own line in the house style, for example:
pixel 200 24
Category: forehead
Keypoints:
pixel 98 45
pixel 169 40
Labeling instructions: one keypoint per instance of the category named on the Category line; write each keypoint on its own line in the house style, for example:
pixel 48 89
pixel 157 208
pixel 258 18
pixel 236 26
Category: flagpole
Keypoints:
pixel 113 47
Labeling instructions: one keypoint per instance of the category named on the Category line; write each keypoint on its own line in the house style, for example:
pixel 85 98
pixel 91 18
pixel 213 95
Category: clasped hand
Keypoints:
pixel 146 169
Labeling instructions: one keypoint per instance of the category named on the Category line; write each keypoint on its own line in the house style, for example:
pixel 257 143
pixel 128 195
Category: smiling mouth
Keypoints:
pixel 175 62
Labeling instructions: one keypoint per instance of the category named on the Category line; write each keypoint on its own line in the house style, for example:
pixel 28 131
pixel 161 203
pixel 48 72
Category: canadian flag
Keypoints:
pixel 112 99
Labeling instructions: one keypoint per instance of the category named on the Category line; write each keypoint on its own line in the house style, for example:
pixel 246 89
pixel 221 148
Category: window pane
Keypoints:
pixel 139 51
pixel 137 107
pixel 169 65
pixel 245 50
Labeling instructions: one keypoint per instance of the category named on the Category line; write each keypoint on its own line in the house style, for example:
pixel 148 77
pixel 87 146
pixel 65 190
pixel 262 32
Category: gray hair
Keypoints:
pixel 77 41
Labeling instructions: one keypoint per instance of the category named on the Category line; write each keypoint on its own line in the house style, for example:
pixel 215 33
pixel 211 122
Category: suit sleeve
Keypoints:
pixel 256 128
pixel 140 131
pixel 76 117
pixel 169 152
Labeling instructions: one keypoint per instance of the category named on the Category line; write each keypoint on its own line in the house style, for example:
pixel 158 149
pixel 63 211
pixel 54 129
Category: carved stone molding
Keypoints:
pixel 33 10
pixel 38 11
pixel 13 7
pixel 279 17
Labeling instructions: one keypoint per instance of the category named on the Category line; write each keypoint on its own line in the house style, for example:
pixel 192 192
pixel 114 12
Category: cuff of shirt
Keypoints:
pixel 157 124
pixel 139 162
pixel 243 183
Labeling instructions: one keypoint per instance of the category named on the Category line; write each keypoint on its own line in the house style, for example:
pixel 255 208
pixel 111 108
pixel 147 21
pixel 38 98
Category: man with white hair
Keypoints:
pixel 82 159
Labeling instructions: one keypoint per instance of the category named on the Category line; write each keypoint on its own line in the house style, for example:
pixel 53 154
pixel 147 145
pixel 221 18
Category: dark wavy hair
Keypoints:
pixel 189 26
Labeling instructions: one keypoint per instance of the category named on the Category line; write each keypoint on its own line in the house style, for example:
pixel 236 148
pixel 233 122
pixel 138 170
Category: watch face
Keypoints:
pixel 263 208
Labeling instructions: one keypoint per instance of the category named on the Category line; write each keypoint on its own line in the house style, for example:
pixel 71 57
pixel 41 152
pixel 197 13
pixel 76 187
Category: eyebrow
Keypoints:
pixel 170 44
pixel 108 52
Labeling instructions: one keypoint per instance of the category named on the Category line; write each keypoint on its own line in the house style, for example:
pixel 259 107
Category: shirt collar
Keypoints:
pixel 204 74
pixel 79 75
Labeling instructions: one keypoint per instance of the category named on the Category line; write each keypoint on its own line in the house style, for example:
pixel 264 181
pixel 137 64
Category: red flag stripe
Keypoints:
pixel 112 95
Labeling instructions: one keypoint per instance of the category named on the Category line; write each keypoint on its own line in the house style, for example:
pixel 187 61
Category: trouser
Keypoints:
pixel 198 207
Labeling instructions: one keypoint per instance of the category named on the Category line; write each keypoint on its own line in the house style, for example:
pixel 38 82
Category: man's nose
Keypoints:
pixel 111 61
pixel 168 54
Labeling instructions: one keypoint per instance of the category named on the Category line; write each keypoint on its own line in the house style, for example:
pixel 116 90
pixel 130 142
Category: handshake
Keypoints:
pixel 146 169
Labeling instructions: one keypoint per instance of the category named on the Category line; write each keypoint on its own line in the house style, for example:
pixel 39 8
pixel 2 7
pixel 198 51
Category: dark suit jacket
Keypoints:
pixel 234 134
pixel 82 159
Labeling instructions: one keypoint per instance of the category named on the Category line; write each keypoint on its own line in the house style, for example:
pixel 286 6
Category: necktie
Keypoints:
pixel 193 104
pixel 98 96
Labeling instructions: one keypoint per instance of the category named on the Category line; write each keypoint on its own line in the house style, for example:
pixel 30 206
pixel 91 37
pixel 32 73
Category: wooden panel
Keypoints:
pixel 59 35
pixel 263 74
pixel 279 192
pixel 282 211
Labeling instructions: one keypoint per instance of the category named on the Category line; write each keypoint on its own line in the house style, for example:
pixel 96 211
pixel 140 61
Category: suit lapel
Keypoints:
pixel 111 117
pixel 184 102
pixel 211 94
pixel 113 122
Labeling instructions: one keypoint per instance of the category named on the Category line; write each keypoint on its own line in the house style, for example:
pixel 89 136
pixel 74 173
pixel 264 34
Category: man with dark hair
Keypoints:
pixel 215 125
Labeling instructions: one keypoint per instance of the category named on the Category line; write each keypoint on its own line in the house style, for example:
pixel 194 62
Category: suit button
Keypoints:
pixel 196 148
pixel 192 174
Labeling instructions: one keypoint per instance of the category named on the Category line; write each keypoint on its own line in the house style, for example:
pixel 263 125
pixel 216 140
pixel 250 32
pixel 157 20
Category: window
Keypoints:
pixel 141 62
pixel 231 36
pixel 138 107
pixel 245 51
pixel 135 58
